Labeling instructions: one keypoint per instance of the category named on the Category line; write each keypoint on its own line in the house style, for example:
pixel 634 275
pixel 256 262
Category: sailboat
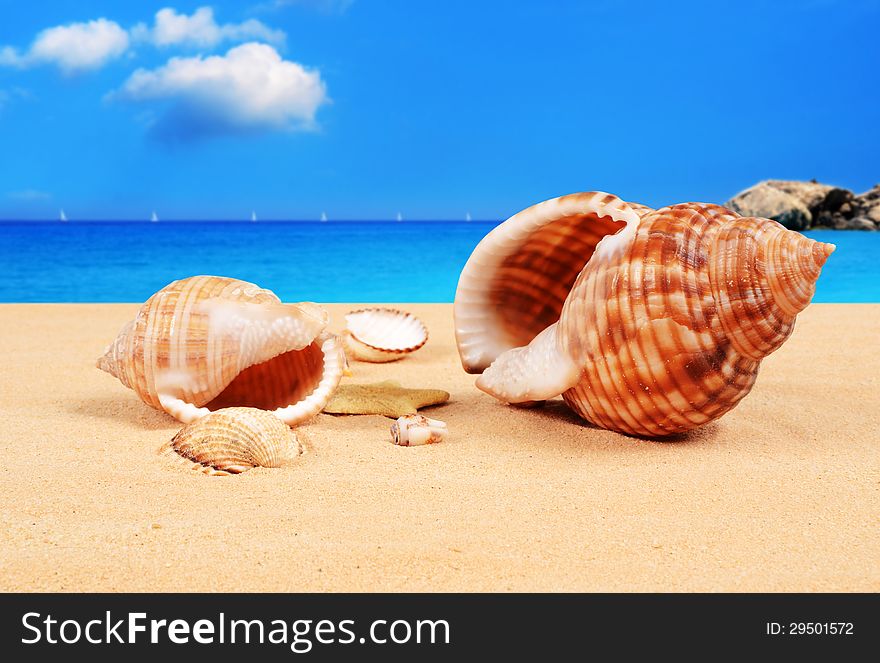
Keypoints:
pixel 62 216
pixel 399 217
pixel 253 217
pixel 153 217
pixel 323 217
pixel 467 217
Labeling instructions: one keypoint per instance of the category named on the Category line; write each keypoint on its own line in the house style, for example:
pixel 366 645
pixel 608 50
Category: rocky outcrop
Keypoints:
pixel 866 207
pixel 801 205
pixel 772 203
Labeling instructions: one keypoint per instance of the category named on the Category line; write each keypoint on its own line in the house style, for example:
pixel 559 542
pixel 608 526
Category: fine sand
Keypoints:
pixel 779 495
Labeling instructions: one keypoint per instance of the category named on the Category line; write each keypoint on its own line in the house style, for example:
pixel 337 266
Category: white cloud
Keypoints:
pixel 79 47
pixel 251 88
pixel 201 30
pixel 73 48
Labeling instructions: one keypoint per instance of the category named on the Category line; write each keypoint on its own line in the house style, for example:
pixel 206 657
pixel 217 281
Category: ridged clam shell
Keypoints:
pixel 233 440
pixel 382 334
pixel 208 342
pixel 665 325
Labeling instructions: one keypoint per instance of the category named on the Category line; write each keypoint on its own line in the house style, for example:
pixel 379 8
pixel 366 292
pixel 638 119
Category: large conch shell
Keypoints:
pixel 209 342
pixel 649 323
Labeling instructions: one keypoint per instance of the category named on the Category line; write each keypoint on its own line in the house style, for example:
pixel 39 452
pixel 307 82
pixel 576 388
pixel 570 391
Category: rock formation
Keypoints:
pixel 803 205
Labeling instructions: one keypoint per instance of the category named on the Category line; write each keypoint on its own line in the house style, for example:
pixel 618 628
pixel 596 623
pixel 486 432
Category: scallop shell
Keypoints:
pixel 664 325
pixel 382 334
pixel 412 430
pixel 209 342
pixel 233 440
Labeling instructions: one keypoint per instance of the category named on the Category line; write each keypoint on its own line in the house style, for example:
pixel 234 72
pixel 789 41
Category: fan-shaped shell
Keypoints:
pixel 233 440
pixel 209 342
pixel 382 334
pixel 665 325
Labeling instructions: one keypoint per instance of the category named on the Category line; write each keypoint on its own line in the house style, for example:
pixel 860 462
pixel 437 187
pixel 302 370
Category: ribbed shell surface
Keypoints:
pixel 379 334
pixel 669 330
pixel 172 335
pixel 208 342
pixel 233 440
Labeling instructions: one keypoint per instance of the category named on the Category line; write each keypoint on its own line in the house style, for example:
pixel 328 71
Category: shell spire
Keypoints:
pixel 762 276
pixel 112 361
pixel 795 264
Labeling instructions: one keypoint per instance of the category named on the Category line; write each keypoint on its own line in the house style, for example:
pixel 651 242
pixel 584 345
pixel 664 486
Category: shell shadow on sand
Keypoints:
pixel 127 410
pixel 556 410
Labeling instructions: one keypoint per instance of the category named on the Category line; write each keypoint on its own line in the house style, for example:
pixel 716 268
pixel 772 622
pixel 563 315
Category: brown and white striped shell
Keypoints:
pixel 414 430
pixel 233 440
pixel 209 342
pixel 382 334
pixel 663 316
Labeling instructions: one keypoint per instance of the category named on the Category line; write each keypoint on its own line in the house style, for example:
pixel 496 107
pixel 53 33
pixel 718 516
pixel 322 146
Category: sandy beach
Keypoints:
pixel 782 494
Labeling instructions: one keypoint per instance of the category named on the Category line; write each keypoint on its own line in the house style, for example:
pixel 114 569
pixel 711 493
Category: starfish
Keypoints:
pixel 385 398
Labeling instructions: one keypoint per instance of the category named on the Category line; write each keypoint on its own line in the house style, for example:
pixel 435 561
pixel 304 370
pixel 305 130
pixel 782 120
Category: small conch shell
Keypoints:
pixel 649 323
pixel 412 430
pixel 382 334
pixel 233 440
pixel 209 342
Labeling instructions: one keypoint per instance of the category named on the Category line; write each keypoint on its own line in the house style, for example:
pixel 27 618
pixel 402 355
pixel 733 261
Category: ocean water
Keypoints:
pixel 365 261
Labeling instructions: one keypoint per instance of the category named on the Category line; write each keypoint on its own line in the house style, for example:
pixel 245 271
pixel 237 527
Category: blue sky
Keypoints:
pixel 364 108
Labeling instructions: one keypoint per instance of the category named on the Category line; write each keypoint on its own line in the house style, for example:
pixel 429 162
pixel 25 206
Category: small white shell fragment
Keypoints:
pixel 412 430
pixel 382 334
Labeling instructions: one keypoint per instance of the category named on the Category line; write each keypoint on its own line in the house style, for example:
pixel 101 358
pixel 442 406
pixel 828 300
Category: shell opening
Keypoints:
pixel 516 281
pixel 294 386
pixel 281 357
pixel 284 379
pixel 208 342
pixel 529 288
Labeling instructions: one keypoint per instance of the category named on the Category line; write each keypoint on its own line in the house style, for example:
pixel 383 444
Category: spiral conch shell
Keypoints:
pixel 382 334
pixel 649 323
pixel 233 440
pixel 209 342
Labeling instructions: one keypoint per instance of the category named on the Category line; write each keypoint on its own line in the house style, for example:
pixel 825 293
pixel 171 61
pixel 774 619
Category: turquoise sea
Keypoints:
pixel 356 261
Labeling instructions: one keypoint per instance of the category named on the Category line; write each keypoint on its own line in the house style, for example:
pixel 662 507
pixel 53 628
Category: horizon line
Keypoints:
pixel 248 221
